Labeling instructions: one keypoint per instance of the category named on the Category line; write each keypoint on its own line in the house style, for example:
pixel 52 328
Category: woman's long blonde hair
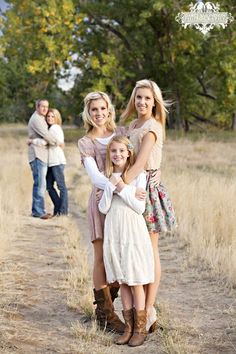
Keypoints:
pixel 160 106
pixel 109 168
pixel 57 115
pixel 88 122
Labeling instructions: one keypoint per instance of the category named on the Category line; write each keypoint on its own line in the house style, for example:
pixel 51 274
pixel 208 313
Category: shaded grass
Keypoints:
pixel 211 135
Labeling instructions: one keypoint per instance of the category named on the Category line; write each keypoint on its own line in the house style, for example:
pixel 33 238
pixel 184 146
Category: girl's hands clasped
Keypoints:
pixel 115 179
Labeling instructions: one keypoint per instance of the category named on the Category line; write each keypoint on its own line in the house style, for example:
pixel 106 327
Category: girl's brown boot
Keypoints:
pixel 129 325
pixel 140 333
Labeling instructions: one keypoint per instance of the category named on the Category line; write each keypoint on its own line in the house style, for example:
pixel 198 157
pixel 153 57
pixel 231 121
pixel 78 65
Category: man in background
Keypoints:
pixel 38 157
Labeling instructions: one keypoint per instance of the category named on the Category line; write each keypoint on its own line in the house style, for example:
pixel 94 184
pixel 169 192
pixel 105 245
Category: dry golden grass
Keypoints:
pixel 201 180
pixel 79 293
pixel 13 186
pixel 77 178
pixel 14 196
pixel 79 284
pixel 172 333
pixel 95 336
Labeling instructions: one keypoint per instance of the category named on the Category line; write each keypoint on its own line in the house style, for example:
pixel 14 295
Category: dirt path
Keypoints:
pixel 202 306
pixel 34 316
pixel 36 319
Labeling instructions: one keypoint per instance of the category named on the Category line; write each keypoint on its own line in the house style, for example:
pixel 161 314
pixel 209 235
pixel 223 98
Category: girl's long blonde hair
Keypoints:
pixel 109 168
pixel 160 106
pixel 88 122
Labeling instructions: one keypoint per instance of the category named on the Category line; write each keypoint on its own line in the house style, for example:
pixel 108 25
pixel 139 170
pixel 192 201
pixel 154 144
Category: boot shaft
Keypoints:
pixel 139 333
pixel 140 320
pixel 129 325
pixel 103 299
pixel 105 314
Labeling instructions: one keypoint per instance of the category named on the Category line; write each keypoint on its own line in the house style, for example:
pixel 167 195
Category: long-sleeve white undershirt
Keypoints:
pixel 127 194
pixel 97 178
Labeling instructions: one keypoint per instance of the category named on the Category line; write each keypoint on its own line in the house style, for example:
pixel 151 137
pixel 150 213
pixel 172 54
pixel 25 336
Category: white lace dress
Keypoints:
pixel 127 249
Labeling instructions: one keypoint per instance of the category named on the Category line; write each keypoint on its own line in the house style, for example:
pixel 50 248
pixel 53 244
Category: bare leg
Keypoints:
pixel 99 275
pixel 126 297
pixel 139 297
pixel 151 289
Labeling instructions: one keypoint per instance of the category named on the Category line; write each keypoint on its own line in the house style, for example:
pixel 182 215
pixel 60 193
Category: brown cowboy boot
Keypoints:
pixel 129 325
pixel 105 314
pixel 140 333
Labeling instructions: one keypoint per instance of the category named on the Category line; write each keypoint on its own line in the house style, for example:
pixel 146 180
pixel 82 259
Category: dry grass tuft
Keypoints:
pixel 79 283
pixel 77 179
pixel 14 177
pixel 171 333
pixel 92 334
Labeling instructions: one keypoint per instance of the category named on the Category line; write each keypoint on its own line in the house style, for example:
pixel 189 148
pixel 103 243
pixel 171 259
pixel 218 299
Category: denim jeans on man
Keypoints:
pixel 39 170
pixel 56 174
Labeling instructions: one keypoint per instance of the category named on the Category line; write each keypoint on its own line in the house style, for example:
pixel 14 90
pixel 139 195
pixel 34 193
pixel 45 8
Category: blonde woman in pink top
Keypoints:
pixel 99 122
pixel 147 134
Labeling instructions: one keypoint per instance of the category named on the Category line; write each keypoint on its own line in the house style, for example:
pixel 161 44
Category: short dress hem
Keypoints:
pixel 159 212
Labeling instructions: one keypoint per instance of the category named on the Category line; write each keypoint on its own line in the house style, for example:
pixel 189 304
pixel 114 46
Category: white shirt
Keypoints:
pixel 56 154
pixel 127 194
pixel 97 178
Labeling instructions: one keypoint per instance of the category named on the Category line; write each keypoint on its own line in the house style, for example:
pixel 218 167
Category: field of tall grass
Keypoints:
pixel 201 179
pixel 200 176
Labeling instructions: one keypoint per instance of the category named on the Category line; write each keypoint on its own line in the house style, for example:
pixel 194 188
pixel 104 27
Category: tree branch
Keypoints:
pixel 203 119
pixel 208 95
pixel 112 30
pixel 205 92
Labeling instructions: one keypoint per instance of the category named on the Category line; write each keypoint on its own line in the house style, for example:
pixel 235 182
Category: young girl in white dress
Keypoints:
pixel 127 248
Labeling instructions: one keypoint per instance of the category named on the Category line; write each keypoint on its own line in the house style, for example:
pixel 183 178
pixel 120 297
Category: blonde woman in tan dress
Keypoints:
pixel 147 134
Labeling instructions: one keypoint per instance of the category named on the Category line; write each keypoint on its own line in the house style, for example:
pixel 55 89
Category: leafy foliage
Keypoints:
pixel 114 44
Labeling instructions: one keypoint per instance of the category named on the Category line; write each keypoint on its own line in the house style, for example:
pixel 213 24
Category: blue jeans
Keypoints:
pixel 39 171
pixel 56 174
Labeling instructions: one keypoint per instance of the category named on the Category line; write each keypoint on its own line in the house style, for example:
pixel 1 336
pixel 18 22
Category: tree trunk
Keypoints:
pixel 186 125
pixel 178 118
pixel 233 124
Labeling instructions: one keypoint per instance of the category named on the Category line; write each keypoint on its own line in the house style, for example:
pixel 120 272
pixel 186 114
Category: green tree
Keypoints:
pixel 142 39
pixel 114 44
pixel 37 42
